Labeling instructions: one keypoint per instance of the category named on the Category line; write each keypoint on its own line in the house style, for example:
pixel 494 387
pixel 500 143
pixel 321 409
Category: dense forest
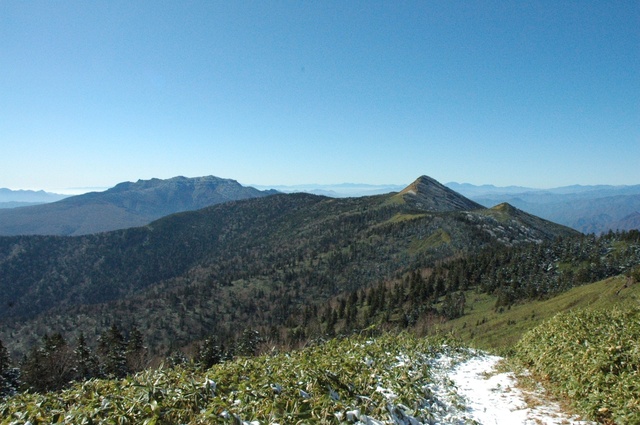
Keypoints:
pixel 513 275
pixel 413 299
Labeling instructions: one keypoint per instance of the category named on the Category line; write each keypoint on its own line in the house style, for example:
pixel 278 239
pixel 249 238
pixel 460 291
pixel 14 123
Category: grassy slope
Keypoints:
pixel 590 357
pixel 485 328
pixel 582 344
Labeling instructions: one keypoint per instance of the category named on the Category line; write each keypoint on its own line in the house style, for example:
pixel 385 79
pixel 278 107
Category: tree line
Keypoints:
pixel 56 364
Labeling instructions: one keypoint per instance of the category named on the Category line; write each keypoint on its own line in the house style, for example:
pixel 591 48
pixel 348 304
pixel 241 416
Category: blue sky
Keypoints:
pixel 539 94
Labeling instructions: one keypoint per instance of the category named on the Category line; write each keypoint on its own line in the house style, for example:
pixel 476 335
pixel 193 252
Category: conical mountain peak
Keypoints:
pixel 428 194
pixel 506 208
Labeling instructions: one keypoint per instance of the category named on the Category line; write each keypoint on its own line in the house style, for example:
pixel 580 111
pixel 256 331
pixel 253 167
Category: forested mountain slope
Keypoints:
pixel 123 206
pixel 242 264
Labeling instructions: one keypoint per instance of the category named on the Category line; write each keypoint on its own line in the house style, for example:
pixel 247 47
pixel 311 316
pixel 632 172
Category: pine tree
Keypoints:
pixel 33 370
pixel 453 305
pixel 59 361
pixel 248 343
pixel 9 376
pixel 209 353
pixel 176 358
pixel 332 319
pixel 5 363
pixel 136 352
pixel 49 367
pixel 351 316
pixel 86 362
pixel 112 351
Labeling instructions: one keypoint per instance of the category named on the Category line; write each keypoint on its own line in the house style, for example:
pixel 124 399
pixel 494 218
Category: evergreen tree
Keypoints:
pixel 112 351
pixel 209 353
pixel 86 362
pixel 177 358
pixel 9 376
pixel 352 316
pixel 60 363
pixel 34 370
pixel 136 352
pixel 332 319
pixel 248 343
pixel 49 367
pixel 453 305
pixel 342 305
pixel 5 363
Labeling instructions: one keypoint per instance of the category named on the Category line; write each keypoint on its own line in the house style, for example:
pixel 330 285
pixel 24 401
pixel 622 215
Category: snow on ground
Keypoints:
pixel 471 390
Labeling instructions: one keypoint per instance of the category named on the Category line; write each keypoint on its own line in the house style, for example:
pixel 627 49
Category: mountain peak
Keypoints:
pixel 506 208
pixel 428 194
pixel 420 184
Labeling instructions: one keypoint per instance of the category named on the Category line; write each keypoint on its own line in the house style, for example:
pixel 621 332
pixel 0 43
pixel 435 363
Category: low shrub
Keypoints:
pixel 591 357
pixel 325 383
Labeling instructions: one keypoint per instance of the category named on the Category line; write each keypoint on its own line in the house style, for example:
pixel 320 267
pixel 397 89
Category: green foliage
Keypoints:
pixel 87 363
pixel 592 357
pixel 9 376
pixel 248 343
pixel 485 327
pixel 135 352
pixel 318 384
pixel 453 305
pixel 55 364
pixel 112 349
pixel 501 291
pixel 247 264
pixel 50 366
pixel 5 361
pixel 209 353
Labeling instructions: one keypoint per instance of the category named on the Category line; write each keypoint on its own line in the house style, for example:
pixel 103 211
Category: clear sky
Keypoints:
pixel 531 93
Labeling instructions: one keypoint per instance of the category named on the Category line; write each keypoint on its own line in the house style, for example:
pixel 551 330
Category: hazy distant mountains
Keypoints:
pixel 589 209
pixel 342 190
pixel 123 206
pixel 21 198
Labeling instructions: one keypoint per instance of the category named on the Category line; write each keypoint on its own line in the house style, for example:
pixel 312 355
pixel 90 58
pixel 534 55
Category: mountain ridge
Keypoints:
pixel 125 205
pixel 237 263
pixel 586 208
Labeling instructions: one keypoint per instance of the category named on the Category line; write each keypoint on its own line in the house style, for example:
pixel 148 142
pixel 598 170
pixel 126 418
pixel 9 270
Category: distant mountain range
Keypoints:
pixel 35 196
pixel 234 265
pixel 342 190
pixel 125 205
pixel 21 198
pixel 588 209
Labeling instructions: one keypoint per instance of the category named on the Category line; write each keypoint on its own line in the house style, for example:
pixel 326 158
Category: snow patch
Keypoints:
pixel 494 398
